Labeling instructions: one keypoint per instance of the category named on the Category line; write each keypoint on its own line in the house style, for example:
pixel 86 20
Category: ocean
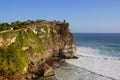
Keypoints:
pixel 98 53
pixel 98 44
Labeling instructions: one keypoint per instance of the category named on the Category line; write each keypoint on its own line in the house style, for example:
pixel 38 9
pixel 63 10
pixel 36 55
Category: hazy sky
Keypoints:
pixel 83 15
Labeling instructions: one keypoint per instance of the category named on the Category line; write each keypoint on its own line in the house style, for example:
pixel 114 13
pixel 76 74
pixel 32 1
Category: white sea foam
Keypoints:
pixel 90 59
pixel 92 52
pixel 87 51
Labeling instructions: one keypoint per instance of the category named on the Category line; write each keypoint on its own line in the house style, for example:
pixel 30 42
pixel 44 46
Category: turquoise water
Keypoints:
pixel 106 44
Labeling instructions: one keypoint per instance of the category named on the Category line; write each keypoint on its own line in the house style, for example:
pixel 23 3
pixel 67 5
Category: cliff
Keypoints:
pixel 26 49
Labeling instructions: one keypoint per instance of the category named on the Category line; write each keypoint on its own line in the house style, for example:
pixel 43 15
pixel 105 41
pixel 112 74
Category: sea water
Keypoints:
pixel 98 44
pixel 99 53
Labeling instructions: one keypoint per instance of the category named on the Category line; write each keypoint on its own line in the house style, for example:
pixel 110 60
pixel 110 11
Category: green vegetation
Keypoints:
pixel 8 34
pixel 13 58
pixel 18 24
pixel 4 26
pixel 21 48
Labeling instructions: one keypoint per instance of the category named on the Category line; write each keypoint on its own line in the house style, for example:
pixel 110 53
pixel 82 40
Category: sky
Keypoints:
pixel 84 16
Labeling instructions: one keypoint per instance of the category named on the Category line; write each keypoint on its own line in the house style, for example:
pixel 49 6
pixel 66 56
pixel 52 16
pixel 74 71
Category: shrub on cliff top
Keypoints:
pixel 4 26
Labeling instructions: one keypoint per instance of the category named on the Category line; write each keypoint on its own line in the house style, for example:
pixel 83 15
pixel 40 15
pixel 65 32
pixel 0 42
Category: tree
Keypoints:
pixel 4 26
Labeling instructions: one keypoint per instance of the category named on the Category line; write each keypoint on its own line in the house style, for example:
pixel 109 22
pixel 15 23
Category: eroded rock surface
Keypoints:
pixel 26 50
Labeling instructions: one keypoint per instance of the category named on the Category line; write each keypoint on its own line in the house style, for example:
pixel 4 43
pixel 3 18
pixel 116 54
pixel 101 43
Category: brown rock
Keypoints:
pixel 48 71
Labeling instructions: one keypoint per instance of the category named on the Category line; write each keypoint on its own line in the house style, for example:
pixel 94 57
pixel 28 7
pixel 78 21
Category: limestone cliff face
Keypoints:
pixel 25 50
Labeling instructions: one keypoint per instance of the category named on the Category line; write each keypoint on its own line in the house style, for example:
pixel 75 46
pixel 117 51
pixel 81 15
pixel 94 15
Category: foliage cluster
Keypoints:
pixel 19 24
pixel 13 58
pixel 4 26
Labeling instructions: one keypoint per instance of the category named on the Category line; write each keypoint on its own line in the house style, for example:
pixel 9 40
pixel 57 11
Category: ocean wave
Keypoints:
pixel 96 53
pixel 105 66
pixel 88 51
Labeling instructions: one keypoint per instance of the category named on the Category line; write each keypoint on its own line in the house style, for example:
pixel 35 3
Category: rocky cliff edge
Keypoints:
pixel 25 51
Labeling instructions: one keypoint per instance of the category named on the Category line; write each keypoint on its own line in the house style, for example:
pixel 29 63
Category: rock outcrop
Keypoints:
pixel 26 50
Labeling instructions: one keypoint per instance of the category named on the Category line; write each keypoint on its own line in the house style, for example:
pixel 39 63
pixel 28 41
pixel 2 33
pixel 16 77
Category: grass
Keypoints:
pixel 13 58
pixel 8 34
